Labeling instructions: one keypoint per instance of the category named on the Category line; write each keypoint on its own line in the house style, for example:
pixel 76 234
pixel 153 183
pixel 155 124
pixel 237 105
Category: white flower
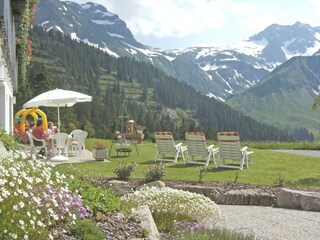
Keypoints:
pixel 3 181
pixel 196 206
pixel 13 235
pixel 21 204
pixel 40 224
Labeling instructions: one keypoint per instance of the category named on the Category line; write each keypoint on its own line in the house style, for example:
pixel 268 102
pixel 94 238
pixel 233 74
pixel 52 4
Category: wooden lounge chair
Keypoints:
pixel 230 151
pixel 198 152
pixel 166 146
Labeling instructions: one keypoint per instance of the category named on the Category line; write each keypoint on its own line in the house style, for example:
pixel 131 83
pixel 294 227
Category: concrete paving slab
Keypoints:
pixel 86 156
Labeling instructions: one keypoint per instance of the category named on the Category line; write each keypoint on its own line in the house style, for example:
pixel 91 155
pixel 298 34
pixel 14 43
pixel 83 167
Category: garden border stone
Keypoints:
pixel 287 198
pixel 294 199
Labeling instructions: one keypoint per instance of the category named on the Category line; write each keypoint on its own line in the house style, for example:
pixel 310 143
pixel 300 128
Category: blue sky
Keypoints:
pixel 171 24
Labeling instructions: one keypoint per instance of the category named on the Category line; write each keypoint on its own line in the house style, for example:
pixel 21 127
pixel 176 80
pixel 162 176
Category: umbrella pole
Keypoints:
pixel 58 119
pixel 58 139
pixel 59 157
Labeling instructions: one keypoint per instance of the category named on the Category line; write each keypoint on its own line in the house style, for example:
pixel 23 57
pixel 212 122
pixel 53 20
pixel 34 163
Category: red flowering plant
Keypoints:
pixel 100 145
pixel 21 137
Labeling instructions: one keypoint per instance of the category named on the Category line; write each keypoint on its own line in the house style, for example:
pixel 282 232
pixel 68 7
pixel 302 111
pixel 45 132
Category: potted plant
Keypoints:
pixel 100 152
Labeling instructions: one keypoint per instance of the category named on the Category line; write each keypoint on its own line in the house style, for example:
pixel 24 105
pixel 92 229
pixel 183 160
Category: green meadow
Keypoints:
pixel 269 167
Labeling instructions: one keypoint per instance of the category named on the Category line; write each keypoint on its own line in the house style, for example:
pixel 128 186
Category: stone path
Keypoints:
pixel 312 153
pixel 271 223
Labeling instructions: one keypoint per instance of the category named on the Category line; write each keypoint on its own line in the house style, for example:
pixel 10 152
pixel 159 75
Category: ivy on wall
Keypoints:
pixel 25 10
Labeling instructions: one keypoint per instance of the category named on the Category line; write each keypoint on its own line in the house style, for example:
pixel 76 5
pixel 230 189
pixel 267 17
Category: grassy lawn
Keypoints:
pixel 268 167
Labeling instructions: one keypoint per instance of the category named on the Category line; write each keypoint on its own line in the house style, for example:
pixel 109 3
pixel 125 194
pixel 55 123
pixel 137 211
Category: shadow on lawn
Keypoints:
pixel 307 182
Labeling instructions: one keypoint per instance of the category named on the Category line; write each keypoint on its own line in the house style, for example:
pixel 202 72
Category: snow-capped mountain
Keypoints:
pixel 217 71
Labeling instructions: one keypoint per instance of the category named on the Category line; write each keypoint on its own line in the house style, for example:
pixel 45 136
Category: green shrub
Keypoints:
pixel 124 170
pixel 280 181
pixel 8 141
pixel 201 170
pixel 156 171
pixel 98 199
pixel 86 230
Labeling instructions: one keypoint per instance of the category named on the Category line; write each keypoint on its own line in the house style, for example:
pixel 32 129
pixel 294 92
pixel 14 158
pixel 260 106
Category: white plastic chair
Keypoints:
pixel 78 142
pixel 229 150
pixel 61 144
pixel 33 147
pixel 198 152
pixel 166 146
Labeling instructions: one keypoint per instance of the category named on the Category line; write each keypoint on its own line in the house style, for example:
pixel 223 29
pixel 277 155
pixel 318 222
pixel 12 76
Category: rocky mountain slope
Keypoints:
pixel 217 71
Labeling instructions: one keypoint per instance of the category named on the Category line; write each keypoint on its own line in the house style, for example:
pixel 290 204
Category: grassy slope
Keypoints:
pixel 299 171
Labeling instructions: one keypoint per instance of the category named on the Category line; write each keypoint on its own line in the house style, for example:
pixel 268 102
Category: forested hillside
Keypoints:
pixel 151 98
pixel 284 98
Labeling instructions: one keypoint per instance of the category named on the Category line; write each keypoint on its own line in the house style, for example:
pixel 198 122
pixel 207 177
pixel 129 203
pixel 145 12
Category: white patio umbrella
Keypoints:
pixel 58 98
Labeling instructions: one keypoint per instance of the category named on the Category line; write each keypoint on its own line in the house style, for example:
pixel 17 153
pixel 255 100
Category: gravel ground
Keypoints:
pixel 115 227
pixel 271 223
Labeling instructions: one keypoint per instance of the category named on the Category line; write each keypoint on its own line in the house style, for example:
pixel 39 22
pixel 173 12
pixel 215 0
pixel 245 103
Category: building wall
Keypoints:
pixel 8 65
pixel 6 100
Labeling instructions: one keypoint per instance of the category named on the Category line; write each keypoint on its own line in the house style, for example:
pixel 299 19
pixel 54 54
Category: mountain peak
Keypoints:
pixel 301 25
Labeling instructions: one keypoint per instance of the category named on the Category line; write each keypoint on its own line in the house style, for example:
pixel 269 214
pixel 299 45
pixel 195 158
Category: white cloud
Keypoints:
pixel 316 6
pixel 167 18
pixel 189 22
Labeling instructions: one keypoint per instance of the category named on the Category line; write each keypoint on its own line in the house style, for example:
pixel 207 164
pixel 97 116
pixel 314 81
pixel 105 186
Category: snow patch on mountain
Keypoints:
pixel 86 40
pixel 251 48
pixel 59 28
pixel 44 23
pixel 209 67
pixel 211 95
pixel 107 14
pixel 148 52
pixel 103 22
pixel 74 36
pixel 107 50
pixel 115 35
pixel 131 51
pixel 169 58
